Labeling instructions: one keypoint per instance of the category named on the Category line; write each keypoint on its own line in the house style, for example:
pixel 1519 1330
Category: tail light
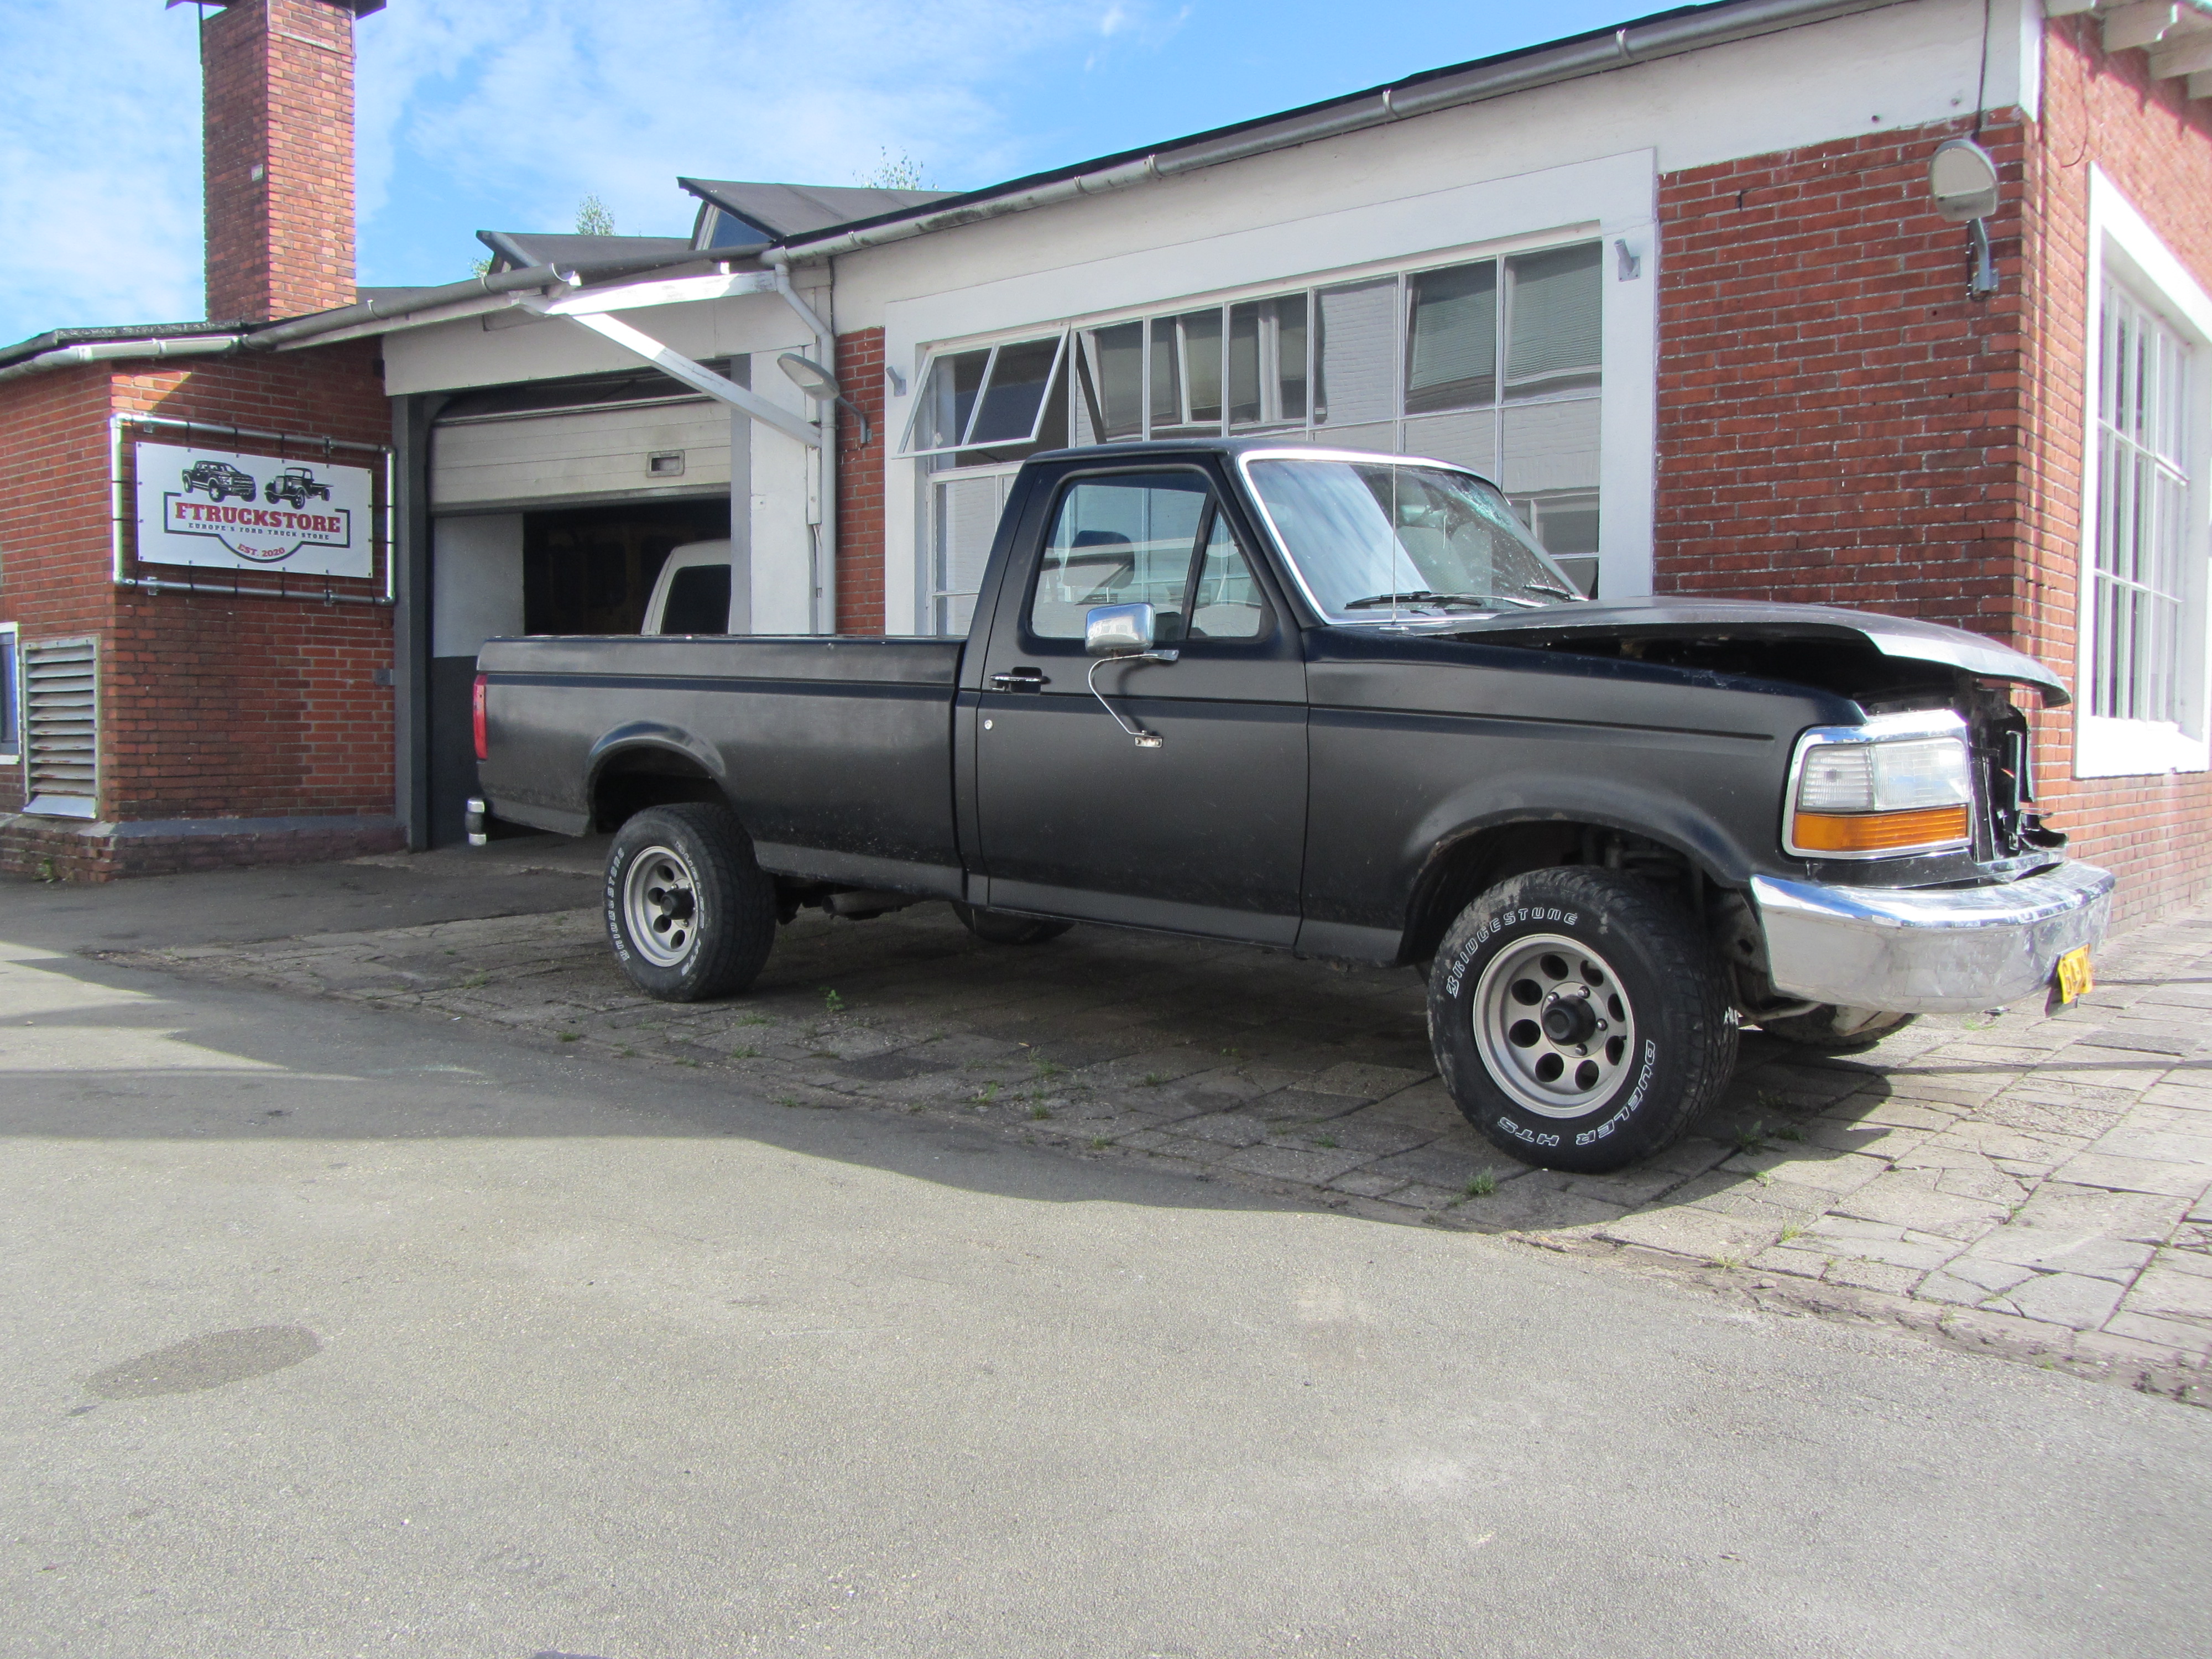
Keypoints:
pixel 476 719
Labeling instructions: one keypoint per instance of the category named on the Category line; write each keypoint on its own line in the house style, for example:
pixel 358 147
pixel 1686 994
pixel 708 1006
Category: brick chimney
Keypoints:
pixel 276 91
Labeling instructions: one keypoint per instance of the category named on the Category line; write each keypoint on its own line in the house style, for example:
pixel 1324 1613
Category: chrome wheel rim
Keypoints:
pixel 1554 1026
pixel 660 906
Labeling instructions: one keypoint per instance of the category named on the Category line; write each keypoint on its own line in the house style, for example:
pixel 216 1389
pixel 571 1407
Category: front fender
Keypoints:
pixel 1532 797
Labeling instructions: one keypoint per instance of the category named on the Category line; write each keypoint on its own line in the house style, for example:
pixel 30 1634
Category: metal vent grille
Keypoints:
pixel 61 726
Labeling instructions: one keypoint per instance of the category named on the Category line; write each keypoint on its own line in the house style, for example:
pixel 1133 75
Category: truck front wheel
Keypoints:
pixel 1580 1018
pixel 690 914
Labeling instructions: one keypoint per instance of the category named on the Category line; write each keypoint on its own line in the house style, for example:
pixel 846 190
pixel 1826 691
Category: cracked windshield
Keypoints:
pixel 1373 541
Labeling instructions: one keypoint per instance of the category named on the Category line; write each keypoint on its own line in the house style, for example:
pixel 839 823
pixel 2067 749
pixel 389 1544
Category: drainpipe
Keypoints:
pixel 823 522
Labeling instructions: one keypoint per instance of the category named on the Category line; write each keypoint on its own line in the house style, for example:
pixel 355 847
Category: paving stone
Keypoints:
pixel 1363 1183
pixel 2133 1138
pixel 1301 1106
pixel 1780 1258
pixel 2172 1336
pixel 1910 1200
pixel 1420 1195
pixel 2170 1290
pixel 1539 1202
pixel 1437 1166
pixel 1368 1082
pixel 2073 1300
pixel 1873 1275
pixel 2133 1174
pixel 1224 1128
pixel 1311 1165
pixel 1701 1235
pixel 1896 1245
pixel 1822 1168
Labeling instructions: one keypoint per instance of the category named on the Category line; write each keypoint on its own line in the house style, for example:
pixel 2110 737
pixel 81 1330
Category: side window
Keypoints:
pixel 1123 540
pixel 1225 602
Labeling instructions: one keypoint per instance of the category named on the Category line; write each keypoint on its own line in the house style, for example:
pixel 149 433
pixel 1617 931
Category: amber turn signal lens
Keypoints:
pixel 1879 832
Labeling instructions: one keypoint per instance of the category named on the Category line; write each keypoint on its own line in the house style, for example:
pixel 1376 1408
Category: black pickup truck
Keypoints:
pixel 1342 704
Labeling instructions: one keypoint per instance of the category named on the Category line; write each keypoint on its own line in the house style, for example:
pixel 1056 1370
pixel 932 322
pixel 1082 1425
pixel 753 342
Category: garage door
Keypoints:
pixel 637 451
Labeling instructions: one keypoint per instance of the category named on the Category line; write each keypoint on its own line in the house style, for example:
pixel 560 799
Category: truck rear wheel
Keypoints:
pixel 1580 1018
pixel 690 914
pixel 1004 928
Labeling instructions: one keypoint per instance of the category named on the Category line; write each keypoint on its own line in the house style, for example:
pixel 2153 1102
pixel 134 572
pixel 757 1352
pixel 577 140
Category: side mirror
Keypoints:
pixel 1118 631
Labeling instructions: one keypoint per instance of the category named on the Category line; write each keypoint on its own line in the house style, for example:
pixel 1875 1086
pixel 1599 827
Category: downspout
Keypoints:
pixel 825 523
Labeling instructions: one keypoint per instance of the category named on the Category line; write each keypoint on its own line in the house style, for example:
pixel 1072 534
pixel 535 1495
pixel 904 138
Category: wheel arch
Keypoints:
pixel 649 763
pixel 1476 855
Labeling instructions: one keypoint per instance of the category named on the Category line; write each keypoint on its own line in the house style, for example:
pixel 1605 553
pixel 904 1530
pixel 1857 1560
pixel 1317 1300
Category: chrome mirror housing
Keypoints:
pixel 1118 631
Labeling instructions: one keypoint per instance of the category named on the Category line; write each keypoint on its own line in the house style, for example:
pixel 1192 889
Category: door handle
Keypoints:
pixel 1021 679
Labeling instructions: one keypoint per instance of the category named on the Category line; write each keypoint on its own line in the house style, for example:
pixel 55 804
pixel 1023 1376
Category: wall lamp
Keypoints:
pixel 819 384
pixel 1963 179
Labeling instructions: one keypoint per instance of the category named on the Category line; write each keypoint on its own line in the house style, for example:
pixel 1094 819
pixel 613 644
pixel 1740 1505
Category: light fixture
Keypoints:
pixel 1963 178
pixel 819 384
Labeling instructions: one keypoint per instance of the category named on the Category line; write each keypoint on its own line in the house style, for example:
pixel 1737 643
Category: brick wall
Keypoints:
pixel 1838 420
pixel 212 706
pixel 2154 145
pixel 860 486
pixel 276 89
pixel 53 513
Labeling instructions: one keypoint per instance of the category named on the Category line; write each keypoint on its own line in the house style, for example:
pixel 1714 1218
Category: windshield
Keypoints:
pixel 1377 539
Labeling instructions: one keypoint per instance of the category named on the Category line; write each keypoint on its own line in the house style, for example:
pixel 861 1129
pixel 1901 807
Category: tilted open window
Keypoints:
pixel 986 400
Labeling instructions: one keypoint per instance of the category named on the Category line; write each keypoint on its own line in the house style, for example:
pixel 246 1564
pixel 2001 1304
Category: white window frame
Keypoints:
pixel 1024 337
pixel 2125 250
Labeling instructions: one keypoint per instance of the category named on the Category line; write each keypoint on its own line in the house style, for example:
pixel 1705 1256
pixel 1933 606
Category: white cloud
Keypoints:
pixel 540 102
pixel 100 165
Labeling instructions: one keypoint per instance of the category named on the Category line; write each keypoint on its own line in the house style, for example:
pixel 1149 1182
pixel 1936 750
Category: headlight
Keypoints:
pixel 1883 790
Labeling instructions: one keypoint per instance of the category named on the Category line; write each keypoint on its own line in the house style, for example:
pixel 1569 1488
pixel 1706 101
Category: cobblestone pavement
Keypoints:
pixel 2033 1185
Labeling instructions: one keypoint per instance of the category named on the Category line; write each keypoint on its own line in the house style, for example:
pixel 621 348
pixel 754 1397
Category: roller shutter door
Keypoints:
pixel 61 726
pixel 627 452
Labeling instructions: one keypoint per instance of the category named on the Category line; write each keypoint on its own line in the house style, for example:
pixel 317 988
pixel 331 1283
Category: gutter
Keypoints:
pixel 396 308
pixel 1670 34
pixel 198 345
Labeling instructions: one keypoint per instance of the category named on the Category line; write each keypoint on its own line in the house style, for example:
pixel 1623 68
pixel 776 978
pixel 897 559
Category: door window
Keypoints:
pixel 1145 538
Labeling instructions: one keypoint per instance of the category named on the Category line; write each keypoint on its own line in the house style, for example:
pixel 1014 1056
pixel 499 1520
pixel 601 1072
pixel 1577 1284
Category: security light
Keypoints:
pixel 809 377
pixel 819 384
pixel 1963 179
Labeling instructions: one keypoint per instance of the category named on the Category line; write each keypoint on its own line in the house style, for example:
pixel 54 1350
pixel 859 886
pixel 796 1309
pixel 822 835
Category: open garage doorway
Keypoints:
pixel 553 570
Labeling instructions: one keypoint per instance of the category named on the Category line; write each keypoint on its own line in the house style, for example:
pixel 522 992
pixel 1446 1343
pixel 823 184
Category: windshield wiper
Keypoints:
pixel 1546 587
pixel 1480 601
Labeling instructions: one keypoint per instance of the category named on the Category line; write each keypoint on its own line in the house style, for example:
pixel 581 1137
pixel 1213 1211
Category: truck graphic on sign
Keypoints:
pixel 220 479
pixel 295 484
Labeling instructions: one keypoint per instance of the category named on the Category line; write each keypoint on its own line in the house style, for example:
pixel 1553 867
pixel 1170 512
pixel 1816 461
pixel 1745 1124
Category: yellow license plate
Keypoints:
pixel 2075 977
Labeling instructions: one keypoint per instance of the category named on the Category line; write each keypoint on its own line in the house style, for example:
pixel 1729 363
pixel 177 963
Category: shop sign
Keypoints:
pixel 207 507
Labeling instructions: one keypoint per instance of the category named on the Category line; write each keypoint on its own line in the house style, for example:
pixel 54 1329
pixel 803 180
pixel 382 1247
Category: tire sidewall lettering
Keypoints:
pixel 1491 926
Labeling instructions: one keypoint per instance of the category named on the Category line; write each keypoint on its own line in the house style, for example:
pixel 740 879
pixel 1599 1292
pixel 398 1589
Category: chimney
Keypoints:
pixel 276 96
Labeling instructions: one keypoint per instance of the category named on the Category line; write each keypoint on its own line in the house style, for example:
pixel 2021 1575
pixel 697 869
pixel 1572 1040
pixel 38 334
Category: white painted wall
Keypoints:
pixel 782 542
pixel 475 581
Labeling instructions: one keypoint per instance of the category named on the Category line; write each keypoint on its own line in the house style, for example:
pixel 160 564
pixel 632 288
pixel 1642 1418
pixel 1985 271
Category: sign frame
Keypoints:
pixel 373 508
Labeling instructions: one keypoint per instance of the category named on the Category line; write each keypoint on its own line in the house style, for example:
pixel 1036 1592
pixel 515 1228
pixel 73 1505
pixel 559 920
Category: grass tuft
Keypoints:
pixel 1484 1184
pixel 831 1000
pixel 571 1037
pixel 1040 1110
pixel 744 1051
pixel 1100 1143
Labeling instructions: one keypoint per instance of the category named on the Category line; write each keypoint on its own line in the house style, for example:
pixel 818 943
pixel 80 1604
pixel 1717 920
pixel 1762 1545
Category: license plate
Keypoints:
pixel 2075 977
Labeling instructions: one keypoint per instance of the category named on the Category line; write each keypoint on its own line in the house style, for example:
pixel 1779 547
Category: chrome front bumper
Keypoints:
pixel 1928 949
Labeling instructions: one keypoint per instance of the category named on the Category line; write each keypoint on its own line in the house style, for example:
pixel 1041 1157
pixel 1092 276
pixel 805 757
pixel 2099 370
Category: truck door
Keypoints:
pixel 1204 832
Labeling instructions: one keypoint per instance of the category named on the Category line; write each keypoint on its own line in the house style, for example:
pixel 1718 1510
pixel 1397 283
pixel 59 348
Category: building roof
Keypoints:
pixel 780 212
pixel 519 250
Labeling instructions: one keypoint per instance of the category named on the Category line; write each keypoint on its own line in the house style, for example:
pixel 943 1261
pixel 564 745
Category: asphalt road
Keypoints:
pixel 331 1332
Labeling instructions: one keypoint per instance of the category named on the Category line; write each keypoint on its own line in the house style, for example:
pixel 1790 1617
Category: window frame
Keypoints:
pixel 2127 254
pixel 1026 337
pixel 1215 511
pixel 1072 366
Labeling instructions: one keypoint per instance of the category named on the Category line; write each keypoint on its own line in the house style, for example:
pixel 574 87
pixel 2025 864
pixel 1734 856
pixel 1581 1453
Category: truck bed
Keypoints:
pixel 836 753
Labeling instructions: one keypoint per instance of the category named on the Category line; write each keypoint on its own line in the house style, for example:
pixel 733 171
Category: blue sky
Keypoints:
pixel 504 113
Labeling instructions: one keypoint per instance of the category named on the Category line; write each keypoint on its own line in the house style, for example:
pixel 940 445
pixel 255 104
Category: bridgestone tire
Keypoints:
pixel 1816 1033
pixel 690 914
pixel 1646 1035
pixel 1004 928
